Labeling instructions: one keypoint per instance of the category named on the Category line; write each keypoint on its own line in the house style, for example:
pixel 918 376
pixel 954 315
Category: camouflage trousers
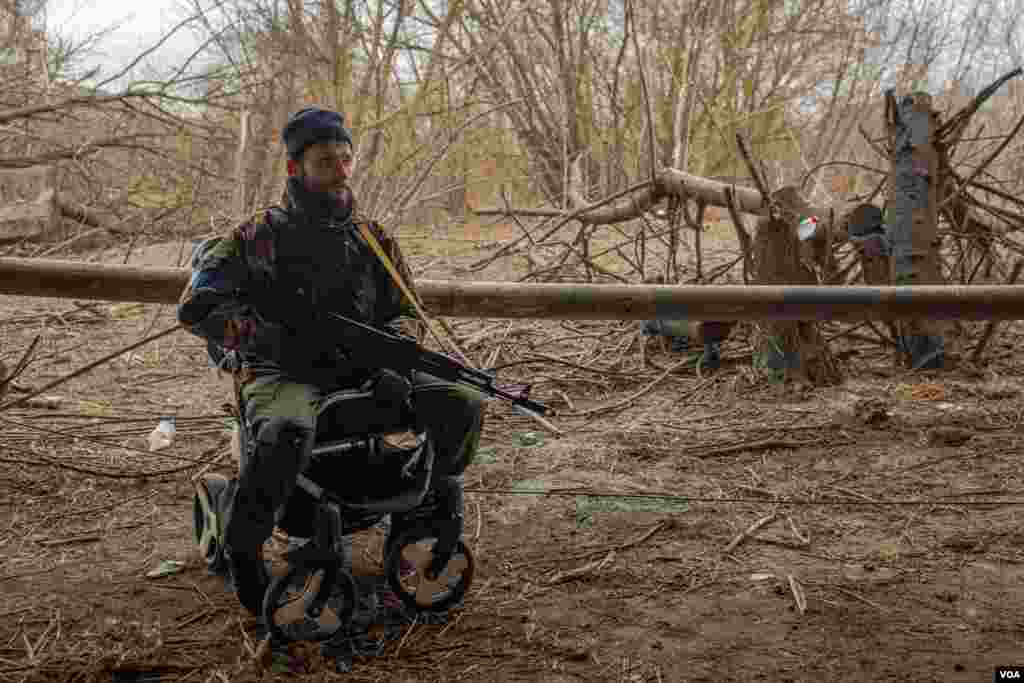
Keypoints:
pixel 282 415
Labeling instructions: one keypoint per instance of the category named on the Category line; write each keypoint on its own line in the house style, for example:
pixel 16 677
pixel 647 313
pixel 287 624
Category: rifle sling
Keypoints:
pixel 364 230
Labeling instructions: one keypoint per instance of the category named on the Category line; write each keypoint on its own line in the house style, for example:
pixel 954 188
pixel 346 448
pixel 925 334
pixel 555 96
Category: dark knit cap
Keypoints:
pixel 311 125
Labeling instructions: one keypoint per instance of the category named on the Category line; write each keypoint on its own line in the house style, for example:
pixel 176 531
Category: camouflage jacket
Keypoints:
pixel 300 249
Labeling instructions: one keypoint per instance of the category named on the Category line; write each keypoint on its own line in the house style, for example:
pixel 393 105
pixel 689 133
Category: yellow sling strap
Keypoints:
pixel 364 230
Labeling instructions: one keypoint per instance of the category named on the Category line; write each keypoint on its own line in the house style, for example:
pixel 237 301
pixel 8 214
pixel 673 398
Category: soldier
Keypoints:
pixel 307 251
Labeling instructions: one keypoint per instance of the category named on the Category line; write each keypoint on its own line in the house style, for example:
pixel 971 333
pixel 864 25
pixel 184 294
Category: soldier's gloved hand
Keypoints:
pixel 391 389
pixel 305 356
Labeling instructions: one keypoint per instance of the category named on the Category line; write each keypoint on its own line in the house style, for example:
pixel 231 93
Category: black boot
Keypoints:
pixel 249 577
pixel 264 486
pixel 712 357
pixel 247 573
pixel 244 572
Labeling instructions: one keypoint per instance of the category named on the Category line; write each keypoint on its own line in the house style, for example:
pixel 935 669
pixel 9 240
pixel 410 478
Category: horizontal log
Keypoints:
pixel 77 280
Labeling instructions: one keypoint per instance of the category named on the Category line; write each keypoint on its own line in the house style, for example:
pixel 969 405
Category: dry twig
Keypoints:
pixel 798 593
pixel 581 572
pixel 764 444
pixel 749 531
pixel 87 368
pixel 633 397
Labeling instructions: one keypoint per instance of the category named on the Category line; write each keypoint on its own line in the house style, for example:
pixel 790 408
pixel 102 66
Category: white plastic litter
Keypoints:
pixel 807 228
pixel 163 435
pixel 236 441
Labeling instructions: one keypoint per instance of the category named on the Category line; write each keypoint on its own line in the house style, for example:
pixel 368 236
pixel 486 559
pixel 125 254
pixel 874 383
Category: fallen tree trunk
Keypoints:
pixel 669 182
pixel 87 216
pixel 567 301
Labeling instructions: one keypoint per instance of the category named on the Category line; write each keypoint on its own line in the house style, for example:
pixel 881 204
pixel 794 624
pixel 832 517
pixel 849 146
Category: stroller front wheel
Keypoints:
pixel 322 605
pixel 406 567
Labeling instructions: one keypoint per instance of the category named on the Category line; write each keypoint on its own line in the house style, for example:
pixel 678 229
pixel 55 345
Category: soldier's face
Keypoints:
pixel 327 166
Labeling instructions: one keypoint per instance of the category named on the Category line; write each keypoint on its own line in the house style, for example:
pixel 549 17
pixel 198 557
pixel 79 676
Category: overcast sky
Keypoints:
pixel 142 23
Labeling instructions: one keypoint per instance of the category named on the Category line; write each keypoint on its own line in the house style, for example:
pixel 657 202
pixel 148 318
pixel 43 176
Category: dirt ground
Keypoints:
pixel 896 556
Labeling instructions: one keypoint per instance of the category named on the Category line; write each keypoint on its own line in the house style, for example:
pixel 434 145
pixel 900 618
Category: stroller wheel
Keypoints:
pixel 406 566
pixel 309 602
pixel 205 522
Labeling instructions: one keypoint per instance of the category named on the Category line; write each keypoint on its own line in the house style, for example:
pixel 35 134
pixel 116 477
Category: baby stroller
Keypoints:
pixel 357 475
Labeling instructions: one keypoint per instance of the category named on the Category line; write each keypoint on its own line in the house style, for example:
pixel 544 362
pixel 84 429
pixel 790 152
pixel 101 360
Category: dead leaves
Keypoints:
pixel 925 391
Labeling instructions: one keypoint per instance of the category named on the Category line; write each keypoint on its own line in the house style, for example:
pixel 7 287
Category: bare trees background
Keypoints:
pixel 551 104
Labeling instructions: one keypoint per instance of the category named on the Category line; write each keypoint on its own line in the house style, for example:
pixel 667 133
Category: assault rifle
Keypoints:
pixel 368 346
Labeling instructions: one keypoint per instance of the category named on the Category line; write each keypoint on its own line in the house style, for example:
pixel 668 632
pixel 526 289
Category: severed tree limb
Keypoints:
pixel 669 181
pixel 87 216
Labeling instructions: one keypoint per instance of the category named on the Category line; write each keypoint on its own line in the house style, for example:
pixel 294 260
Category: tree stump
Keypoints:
pixel 795 350
pixel 912 216
pixel 28 203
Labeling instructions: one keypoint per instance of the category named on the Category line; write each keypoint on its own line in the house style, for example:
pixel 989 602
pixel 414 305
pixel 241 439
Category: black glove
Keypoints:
pixel 391 389
pixel 308 358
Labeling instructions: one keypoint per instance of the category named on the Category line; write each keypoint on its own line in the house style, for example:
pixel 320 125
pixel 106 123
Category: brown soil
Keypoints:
pixel 890 591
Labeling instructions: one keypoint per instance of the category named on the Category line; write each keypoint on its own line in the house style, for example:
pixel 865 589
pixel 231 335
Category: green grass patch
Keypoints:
pixel 587 506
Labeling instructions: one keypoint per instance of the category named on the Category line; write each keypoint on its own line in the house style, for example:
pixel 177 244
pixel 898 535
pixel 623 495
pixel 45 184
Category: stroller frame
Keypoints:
pixel 351 439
